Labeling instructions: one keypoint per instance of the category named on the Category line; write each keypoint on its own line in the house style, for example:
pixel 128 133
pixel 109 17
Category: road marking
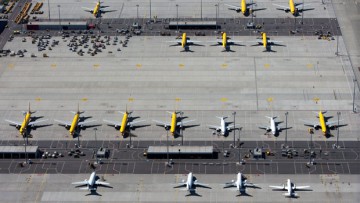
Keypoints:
pixel 38 99
pixel 266 65
pixel 139 65
pixel 181 65
pixel 11 65
pixel 177 99
pixel 84 99
pixel 270 99
pixel 96 66
pixel 310 65
pixel 316 99
pixel 53 65
pixel 224 65
pixel 131 99
pixel 223 99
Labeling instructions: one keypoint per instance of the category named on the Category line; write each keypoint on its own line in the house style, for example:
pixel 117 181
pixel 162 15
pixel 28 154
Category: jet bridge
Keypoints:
pixel 181 152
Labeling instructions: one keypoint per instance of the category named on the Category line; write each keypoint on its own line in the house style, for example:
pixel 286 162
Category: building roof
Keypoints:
pixel 181 150
pixel 18 149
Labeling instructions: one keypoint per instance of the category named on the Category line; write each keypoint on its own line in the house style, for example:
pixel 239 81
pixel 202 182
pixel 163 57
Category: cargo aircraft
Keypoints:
pixel 191 184
pixel 223 129
pixel 323 124
pixel 224 41
pixel 26 123
pixel 174 124
pixel 241 184
pixel 76 122
pixel 294 8
pixel 126 122
pixel 184 42
pixel 274 128
pixel 98 9
pixel 92 183
pixel 245 8
pixel 290 187
pixel 266 42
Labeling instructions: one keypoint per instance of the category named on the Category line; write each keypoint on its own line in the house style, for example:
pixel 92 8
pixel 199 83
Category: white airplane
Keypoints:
pixel 273 128
pixel 223 129
pixel 240 184
pixel 191 184
pixel 290 187
pixel 90 184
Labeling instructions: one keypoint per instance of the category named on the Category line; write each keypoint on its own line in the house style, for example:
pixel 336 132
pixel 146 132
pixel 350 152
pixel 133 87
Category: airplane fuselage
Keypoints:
pixel 96 9
pixel 272 126
pixel 74 124
pixel 124 123
pixel 264 39
pixel 223 126
pixel 322 122
pixel 243 7
pixel 289 187
pixel 292 7
pixel 183 40
pixel 173 123
pixel 224 40
pixel 25 123
pixel 189 182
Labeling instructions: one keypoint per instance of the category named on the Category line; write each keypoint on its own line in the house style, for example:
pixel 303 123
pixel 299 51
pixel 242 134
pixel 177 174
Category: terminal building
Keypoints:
pixel 181 152
pixel 18 152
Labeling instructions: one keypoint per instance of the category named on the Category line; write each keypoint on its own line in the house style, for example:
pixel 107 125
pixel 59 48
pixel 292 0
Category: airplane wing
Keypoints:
pixel 80 183
pixel 101 183
pixel 273 42
pixel 263 127
pixel 13 122
pixel 301 187
pixel 232 7
pixel 330 123
pixel 184 122
pixel 88 9
pixel 201 184
pixel 85 122
pixel 213 127
pixel 114 123
pixel 35 122
pixel 310 124
pixel 300 5
pixel 161 123
pixel 134 122
pixel 284 8
pixel 63 122
pixel 277 187
pixel 192 42
pixel 230 127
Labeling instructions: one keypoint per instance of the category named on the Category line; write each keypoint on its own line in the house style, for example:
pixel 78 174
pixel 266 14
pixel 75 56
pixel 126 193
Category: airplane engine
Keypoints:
pixel 167 127
pixel 332 127
pixel 316 127
pixel 268 129
pixel 218 130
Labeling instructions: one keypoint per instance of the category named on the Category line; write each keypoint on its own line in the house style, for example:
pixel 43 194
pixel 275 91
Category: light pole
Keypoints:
pixel 240 162
pixel 167 147
pixel 234 113
pixel 177 17
pixel 150 12
pixel 338 129
pixel 354 95
pixel 59 18
pixel 286 115
pixel 216 15
pixel 49 9
pixel 201 10
pixel 302 13
pixel 96 147
pixel 137 13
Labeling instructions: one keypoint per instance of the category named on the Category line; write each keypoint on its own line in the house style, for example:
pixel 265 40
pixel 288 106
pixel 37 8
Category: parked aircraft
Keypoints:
pixel 294 8
pixel 322 123
pixel 225 42
pixel 73 126
pixel 126 122
pixel 290 187
pixel 241 184
pixel 184 42
pixel 223 129
pixel 91 184
pixel 245 8
pixel 266 42
pixel 174 123
pixel 191 184
pixel 274 128
pixel 98 9
pixel 27 122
